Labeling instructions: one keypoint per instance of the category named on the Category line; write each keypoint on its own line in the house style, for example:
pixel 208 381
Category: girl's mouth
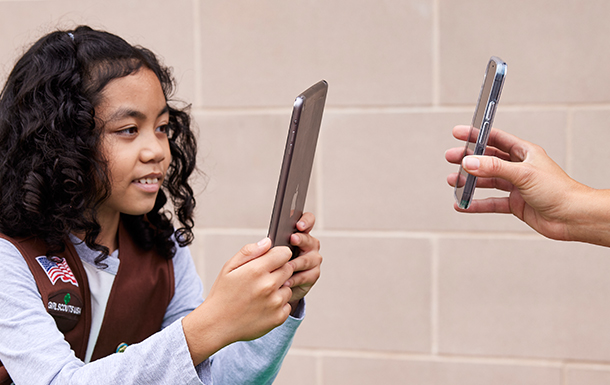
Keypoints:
pixel 148 180
pixel 148 184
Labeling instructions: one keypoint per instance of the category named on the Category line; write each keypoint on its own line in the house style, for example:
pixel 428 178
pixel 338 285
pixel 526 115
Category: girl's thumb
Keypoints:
pixel 250 251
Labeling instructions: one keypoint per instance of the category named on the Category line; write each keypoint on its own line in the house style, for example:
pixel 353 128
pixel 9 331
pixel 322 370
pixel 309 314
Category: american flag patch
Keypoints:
pixel 57 270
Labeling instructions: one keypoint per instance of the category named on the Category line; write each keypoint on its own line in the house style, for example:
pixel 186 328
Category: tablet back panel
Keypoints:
pixel 297 164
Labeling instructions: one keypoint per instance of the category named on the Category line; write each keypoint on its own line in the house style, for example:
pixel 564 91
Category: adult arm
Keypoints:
pixel 540 193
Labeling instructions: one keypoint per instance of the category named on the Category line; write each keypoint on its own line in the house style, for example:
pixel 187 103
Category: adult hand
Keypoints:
pixel 540 193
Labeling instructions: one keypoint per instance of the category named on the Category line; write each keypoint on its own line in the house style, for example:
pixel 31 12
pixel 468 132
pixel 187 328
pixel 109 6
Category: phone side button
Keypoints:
pixel 483 132
pixel 490 110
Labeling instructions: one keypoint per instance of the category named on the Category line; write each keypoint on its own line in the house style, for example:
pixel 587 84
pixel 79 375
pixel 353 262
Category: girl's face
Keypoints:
pixel 134 141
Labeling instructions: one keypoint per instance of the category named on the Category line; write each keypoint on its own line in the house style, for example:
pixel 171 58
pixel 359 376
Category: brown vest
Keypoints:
pixel 140 294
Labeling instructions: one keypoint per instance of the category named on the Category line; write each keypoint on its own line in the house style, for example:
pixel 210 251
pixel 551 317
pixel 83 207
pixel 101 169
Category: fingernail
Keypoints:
pixel 471 163
pixel 263 241
pixel 301 224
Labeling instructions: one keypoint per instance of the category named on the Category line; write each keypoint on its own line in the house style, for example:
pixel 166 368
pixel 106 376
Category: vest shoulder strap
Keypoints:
pixel 140 295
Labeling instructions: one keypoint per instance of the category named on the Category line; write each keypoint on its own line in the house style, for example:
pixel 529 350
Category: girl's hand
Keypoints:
pixel 248 299
pixel 540 193
pixel 307 265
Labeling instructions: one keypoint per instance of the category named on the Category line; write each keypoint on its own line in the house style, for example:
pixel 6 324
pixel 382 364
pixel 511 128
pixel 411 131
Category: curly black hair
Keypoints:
pixel 53 176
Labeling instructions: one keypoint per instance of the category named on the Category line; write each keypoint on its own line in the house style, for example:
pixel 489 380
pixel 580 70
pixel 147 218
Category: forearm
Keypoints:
pixel 257 361
pixel 204 334
pixel 590 217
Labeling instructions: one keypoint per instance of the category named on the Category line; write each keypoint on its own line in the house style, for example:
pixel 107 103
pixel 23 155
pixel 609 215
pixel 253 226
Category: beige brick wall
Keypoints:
pixel 411 291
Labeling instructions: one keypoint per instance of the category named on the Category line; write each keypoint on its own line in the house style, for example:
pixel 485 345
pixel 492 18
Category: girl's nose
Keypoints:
pixel 153 148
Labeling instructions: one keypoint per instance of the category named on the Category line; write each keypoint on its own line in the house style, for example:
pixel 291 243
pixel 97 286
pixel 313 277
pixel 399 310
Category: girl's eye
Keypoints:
pixel 128 130
pixel 163 129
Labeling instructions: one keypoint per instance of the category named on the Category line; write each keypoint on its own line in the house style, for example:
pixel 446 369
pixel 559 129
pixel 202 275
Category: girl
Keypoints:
pixel 97 285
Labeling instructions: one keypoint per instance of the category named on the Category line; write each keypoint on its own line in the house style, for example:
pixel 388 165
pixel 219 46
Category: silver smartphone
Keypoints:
pixel 297 164
pixel 481 126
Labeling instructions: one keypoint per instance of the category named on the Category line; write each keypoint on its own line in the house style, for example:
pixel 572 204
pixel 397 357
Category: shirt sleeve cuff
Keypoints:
pixel 191 372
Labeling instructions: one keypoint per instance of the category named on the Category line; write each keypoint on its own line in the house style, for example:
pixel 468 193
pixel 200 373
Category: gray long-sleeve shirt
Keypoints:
pixel 34 351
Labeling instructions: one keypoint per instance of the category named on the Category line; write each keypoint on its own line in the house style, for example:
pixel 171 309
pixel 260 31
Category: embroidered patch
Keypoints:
pixel 66 308
pixel 57 269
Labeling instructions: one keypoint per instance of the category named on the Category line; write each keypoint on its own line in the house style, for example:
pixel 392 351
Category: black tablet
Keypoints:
pixel 297 164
